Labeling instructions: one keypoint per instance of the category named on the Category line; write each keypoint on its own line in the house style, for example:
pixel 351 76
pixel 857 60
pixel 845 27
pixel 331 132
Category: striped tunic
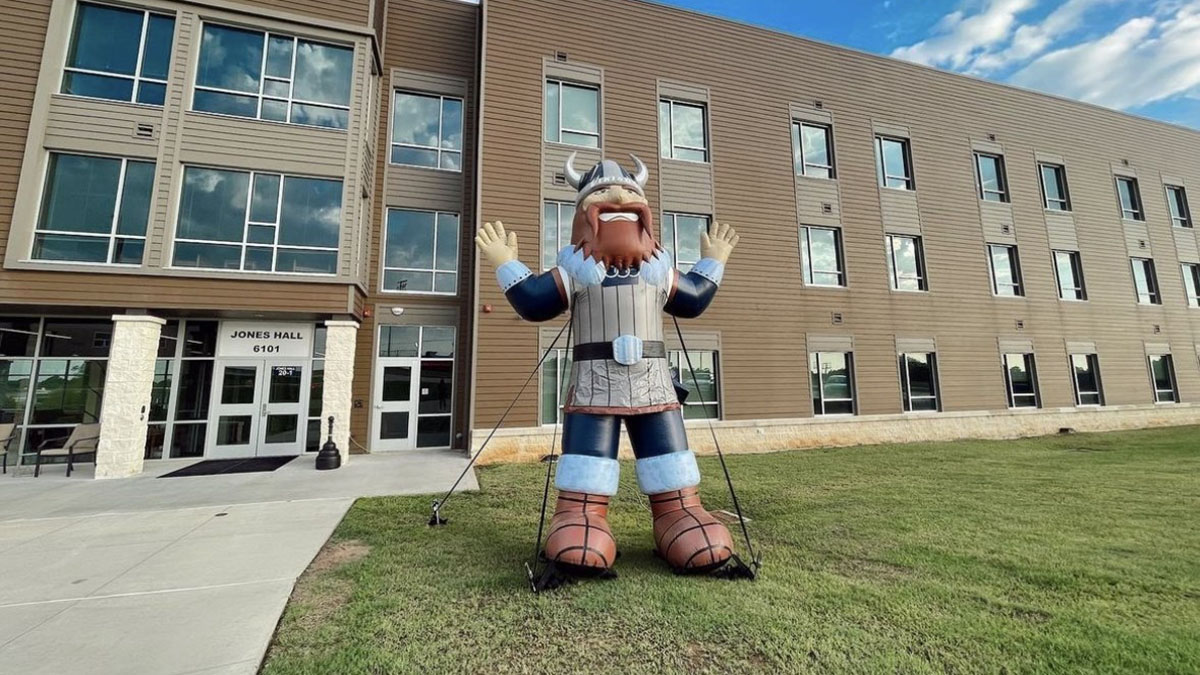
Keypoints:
pixel 602 313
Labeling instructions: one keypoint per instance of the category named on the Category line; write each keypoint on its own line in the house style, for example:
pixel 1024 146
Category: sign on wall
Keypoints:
pixel 264 339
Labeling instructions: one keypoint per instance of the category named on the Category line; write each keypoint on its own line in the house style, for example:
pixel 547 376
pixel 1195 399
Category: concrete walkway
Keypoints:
pixel 178 575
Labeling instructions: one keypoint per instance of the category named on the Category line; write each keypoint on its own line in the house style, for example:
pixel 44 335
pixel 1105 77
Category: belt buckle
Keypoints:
pixel 627 350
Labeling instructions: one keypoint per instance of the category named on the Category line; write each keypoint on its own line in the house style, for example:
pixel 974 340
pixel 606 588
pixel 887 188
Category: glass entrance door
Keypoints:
pixel 395 412
pixel 259 409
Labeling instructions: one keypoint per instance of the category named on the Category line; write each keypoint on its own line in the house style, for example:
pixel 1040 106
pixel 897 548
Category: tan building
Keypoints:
pixel 281 196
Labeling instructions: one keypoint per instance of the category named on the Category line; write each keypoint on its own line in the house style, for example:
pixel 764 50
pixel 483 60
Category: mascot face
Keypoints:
pixel 613 224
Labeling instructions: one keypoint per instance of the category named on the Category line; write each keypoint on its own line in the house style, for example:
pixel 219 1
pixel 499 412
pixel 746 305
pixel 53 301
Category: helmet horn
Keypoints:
pixel 642 174
pixel 573 176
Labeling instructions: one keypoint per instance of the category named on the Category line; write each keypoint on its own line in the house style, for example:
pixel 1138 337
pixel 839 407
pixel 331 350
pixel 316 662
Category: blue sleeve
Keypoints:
pixel 693 295
pixel 534 297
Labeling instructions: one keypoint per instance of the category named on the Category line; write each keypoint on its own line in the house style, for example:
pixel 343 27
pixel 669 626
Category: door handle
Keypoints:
pixel 264 410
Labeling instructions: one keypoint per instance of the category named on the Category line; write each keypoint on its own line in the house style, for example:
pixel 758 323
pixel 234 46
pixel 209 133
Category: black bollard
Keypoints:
pixel 329 457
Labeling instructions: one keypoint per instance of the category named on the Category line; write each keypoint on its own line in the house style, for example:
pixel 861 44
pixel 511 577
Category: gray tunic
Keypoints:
pixel 602 313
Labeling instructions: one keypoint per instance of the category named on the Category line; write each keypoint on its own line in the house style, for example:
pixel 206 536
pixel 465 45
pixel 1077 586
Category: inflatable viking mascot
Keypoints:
pixel 616 279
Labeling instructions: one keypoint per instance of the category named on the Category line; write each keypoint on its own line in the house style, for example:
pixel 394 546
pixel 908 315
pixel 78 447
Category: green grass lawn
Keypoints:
pixel 1068 554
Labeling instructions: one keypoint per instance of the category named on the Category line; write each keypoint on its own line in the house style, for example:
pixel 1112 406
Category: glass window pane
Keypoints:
pixel 688 231
pixel 316 389
pixel 68 392
pixel 920 374
pixel 323 73
pixel 279 56
pixel 187 440
pixel 151 93
pixel 445 282
pixel 451 161
pixel 312 212
pixel 200 339
pixel 160 390
pixel 409 239
pixel 687 126
pixel 452 111
pixel 835 372
pixel 211 256
pixel 433 432
pixel 399 341
pixel 15 378
pixel 415 120
pixel 260 234
pixel 552 112
pixel 264 204
pixel 1002 271
pixel 283 385
pixel 226 104
pixel 691 155
pixel 18 336
pixel 893 158
pixel 904 259
pixel 306 262
pixel 234 429
pixel 157 53
pixel 239 385
pixel 1019 377
pixel 437 342
pixel 814 142
pixel 168 339
pixel 393 426
pixel 97 86
pixel 105 39
pixel 135 198
pixel 81 194
pixel 277 89
pixel 259 259
pixel 989 174
pixel 580 139
pixel 320 116
pixel 274 111
pixel 70 247
pixel 447 242
pixel 230 58
pixel 282 428
pixel 408 280
pixel 397 384
pixel 128 251
pixel 213 205
pixel 195 382
pixel 580 109
pixel 437 382
pixel 414 156
pixel 664 128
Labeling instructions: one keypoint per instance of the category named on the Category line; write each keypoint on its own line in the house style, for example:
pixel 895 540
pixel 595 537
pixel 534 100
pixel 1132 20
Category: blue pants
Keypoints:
pixel 589 462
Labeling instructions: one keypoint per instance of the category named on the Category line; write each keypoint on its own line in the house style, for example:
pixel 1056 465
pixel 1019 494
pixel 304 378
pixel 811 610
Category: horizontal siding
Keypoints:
pixel 22 34
pixel 899 211
pixel 343 11
pixel 424 189
pixel 812 197
pixel 101 126
pixel 250 144
pixel 686 186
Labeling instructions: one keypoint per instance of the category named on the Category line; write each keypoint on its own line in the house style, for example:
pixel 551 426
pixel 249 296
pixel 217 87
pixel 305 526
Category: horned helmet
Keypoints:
pixel 613 223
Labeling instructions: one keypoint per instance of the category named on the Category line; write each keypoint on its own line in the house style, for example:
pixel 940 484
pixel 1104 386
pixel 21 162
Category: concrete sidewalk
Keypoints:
pixel 178 575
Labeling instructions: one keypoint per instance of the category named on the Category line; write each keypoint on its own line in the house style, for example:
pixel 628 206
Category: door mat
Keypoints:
pixel 213 467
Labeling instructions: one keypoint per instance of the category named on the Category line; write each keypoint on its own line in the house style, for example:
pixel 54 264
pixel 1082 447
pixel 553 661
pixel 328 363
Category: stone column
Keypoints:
pixel 126 405
pixel 337 398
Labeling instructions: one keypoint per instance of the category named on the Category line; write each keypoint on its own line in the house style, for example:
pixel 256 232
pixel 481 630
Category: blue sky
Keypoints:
pixel 1142 56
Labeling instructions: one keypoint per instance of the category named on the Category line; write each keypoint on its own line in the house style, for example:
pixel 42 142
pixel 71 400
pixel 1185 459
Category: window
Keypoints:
pixel 94 210
pixel 1191 284
pixel 118 54
pixel 1131 199
pixel 1145 281
pixel 1021 378
pixel 918 382
pixel 682 132
pixel 258 222
pixel 993 181
pixel 1162 376
pixel 832 378
pixel 427 131
pixel 1068 269
pixel 556 372
pixel 1181 214
pixel 572 114
pixel 421 252
pixel 273 77
pixel 315 434
pixel 893 162
pixel 1054 187
pixel 681 235
pixel 1006 271
pixel 821 256
pixel 812 150
pixel 702 374
pixel 1086 369
pixel 557 220
pixel 906 263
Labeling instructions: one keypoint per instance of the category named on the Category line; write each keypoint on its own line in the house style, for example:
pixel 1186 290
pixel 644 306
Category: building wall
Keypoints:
pixel 755 83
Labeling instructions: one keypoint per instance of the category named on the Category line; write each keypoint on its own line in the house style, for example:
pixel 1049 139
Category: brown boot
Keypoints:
pixel 579 533
pixel 686 535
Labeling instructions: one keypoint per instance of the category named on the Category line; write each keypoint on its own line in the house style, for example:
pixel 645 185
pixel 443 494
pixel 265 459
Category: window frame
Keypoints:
pixel 910 183
pixel 247 223
pixel 684 266
pixel 1180 210
pixel 906 395
pixel 1060 176
pixel 801 168
pixel 263 77
pixel 1030 364
pixel 670 130
pixel 894 275
pixel 1157 393
pixel 853 400
pixel 1191 283
pixel 1003 195
pixel 1080 283
pixel 551 257
pixel 1136 211
pixel 434 271
pixel 1093 362
pixel 112 235
pixel 598 134
pixel 1018 283
pixel 393 143
pixel 807 273
pixel 1154 290
pixel 137 77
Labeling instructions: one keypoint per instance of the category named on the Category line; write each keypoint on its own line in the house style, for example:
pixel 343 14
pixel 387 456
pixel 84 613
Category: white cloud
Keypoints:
pixel 960 38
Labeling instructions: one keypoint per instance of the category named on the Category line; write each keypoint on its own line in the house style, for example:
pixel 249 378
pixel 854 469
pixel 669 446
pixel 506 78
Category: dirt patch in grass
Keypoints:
pixel 337 554
pixel 873 570
pixel 320 593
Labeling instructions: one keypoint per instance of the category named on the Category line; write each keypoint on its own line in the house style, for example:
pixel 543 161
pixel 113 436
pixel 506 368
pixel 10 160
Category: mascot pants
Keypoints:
pixel 589 462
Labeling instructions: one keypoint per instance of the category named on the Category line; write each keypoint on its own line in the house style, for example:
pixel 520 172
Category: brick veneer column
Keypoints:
pixel 337 397
pixel 126 405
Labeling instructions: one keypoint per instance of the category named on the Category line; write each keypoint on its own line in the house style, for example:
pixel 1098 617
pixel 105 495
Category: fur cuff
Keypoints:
pixel 584 473
pixel 711 269
pixel 512 273
pixel 665 473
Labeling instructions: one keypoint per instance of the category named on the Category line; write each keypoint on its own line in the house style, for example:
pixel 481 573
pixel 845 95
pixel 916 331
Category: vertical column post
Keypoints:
pixel 337 397
pixel 126 406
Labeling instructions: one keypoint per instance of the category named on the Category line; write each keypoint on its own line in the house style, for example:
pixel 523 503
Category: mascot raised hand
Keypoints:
pixel 616 280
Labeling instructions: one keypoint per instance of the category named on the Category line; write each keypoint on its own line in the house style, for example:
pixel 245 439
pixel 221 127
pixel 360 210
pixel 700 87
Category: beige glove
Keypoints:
pixel 496 245
pixel 718 242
